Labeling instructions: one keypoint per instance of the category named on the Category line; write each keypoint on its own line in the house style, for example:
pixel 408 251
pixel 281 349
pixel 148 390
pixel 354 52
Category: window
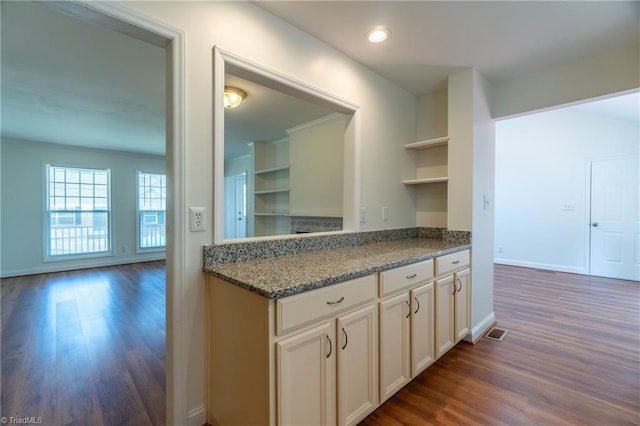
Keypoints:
pixel 78 212
pixel 152 206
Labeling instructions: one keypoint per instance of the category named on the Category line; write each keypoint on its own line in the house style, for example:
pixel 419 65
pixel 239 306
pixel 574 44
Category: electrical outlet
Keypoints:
pixel 197 219
pixel 499 249
pixel 363 214
pixel 385 213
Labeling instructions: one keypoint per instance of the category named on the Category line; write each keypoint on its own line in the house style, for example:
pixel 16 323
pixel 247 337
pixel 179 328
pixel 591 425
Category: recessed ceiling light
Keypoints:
pixel 378 34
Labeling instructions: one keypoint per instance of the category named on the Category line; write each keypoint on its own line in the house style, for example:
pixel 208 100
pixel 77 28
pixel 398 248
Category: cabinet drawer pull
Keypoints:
pixel 455 262
pixel 346 338
pixel 335 302
pixel 330 346
pixel 412 276
pixel 417 303
pixel 454 287
pixel 409 305
pixel 459 282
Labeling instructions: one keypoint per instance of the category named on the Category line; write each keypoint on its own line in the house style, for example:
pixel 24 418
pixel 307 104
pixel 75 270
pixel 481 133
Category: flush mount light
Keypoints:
pixel 378 34
pixel 233 96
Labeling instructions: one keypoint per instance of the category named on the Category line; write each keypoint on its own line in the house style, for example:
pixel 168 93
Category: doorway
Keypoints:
pixel 121 19
pixel 543 182
pixel 615 218
pixel 235 212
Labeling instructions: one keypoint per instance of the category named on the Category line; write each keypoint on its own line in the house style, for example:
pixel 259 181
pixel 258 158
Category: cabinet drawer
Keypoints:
pixel 451 262
pixel 306 308
pixel 405 276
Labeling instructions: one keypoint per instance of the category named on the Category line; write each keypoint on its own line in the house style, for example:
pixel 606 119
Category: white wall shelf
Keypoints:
pixel 425 180
pixel 431 143
pixel 272 191
pixel 271 170
pixel 271 214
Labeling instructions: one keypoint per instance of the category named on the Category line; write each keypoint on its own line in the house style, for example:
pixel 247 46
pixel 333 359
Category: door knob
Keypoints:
pixel 594 224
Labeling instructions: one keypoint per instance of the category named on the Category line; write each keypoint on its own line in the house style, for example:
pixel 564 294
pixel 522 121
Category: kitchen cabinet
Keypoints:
pixel 452 300
pixel 305 366
pixel 331 355
pixel 310 358
pixel 395 354
pixel 406 325
pixel 422 328
pixel 357 353
pixel 307 361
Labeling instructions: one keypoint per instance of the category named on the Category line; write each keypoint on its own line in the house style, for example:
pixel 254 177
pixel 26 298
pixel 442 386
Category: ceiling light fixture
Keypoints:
pixel 233 96
pixel 378 34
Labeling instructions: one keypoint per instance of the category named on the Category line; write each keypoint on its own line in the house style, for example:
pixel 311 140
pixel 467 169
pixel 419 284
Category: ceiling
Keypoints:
pixel 431 39
pixel 73 82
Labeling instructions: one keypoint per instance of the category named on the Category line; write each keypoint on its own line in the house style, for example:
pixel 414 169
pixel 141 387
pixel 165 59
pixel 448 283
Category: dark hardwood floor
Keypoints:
pixel 571 358
pixel 88 348
pixel 85 347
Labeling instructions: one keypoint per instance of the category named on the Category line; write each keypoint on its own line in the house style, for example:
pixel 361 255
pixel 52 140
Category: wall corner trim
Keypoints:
pixel 479 329
pixel 197 416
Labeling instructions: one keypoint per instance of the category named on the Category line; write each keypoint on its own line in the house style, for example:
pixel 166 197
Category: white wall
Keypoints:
pixel 23 203
pixel 471 183
pixel 607 72
pixel 541 166
pixel 388 120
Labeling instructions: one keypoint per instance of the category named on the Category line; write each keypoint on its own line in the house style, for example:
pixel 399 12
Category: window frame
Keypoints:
pixel 48 257
pixel 139 248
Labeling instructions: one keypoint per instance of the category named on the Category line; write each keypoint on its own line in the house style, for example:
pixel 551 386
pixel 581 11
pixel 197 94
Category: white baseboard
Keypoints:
pixel 481 328
pixel 545 266
pixel 197 417
pixel 95 263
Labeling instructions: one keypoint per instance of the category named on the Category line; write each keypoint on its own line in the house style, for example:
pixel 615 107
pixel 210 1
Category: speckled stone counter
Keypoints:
pixel 284 275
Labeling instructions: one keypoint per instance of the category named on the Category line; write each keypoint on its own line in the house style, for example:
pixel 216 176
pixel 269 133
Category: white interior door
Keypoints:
pixel 615 218
pixel 241 206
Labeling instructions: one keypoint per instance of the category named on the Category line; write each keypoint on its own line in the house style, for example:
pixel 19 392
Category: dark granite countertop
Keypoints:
pixel 281 276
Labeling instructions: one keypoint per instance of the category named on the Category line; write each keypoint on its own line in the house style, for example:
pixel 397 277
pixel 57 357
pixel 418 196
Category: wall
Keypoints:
pixel 542 210
pixel 317 166
pixel 23 194
pixel 388 120
pixel 471 184
pixel 607 72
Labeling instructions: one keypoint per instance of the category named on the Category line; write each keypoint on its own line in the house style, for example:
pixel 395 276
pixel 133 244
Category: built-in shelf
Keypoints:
pixel 271 214
pixel 272 191
pixel 425 180
pixel 431 143
pixel 271 170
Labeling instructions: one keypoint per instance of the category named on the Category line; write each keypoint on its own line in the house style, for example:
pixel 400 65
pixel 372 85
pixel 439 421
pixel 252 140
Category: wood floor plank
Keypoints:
pixel 571 358
pixel 85 347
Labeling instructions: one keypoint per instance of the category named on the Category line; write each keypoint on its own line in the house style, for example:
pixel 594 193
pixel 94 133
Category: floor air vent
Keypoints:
pixel 497 334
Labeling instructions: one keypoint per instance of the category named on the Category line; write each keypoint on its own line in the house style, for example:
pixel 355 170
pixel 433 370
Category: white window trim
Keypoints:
pixel 47 218
pixel 140 250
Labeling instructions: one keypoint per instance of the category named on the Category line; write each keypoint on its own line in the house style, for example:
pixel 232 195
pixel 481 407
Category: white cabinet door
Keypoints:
pixel 306 377
pixel 444 315
pixel 462 304
pixel 395 368
pixel 357 350
pixel 422 328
